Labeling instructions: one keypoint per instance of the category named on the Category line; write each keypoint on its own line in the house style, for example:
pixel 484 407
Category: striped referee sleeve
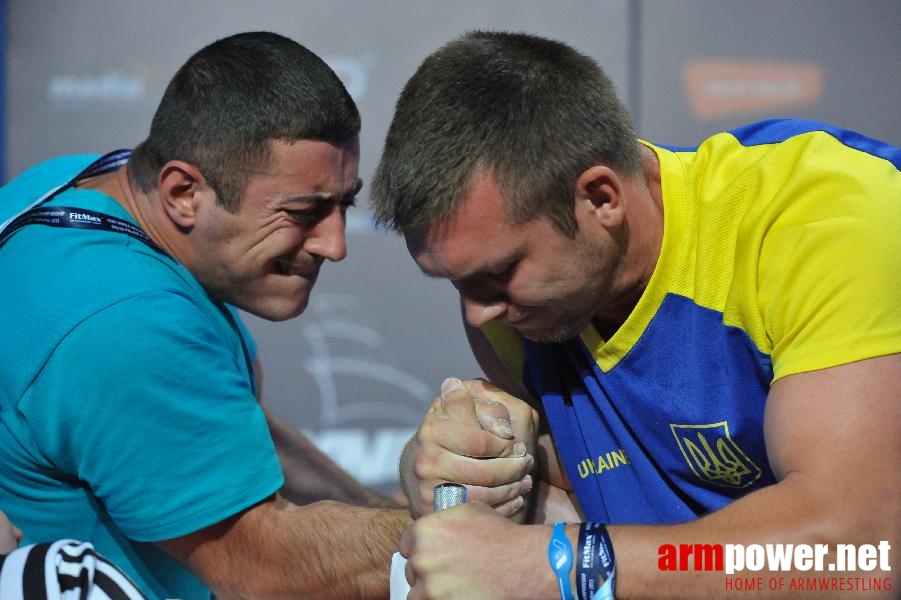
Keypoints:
pixel 63 570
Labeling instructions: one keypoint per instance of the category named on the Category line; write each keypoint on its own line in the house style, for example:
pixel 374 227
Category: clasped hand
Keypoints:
pixel 478 435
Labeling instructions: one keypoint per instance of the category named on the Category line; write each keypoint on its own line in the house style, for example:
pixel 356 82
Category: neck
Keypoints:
pixel 147 213
pixel 652 190
pixel 641 245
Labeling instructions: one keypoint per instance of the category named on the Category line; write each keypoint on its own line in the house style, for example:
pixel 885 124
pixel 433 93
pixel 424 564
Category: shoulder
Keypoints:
pixel 36 180
pixel 777 131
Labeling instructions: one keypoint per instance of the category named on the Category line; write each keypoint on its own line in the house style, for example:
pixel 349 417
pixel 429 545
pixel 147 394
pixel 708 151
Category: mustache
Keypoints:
pixel 308 268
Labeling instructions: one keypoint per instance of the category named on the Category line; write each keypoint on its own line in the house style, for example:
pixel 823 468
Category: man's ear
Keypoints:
pixel 602 190
pixel 181 187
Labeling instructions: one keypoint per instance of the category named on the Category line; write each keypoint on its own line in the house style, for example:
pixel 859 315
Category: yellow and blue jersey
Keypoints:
pixel 781 254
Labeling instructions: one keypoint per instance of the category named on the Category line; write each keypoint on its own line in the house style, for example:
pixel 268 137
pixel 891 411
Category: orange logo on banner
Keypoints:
pixel 719 88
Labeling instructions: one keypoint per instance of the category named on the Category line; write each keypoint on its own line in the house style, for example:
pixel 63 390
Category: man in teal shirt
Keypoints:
pixel 128 415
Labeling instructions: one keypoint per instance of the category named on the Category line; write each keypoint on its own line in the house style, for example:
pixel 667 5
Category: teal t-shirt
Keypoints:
pixel 127 408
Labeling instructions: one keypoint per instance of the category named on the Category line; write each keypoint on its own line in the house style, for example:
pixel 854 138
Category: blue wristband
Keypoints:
pixel 560 555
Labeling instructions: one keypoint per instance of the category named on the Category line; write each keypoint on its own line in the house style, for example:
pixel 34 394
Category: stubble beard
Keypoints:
pixel 579 309
pixel 581 305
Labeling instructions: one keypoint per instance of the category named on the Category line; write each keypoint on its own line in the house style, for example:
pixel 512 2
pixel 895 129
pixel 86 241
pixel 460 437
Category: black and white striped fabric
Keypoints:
pixel 65 570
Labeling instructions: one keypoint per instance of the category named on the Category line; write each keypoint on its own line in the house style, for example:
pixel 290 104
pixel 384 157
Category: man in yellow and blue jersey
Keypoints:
pixel 690 346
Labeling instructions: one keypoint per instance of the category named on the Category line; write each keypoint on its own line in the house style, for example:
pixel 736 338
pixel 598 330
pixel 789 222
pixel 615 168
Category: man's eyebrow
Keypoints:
pixel 356 188
pixel 481 271
pixel 318 197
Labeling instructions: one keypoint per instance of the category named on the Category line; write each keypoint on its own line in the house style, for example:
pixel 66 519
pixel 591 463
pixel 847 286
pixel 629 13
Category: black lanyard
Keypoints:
pixel 78 218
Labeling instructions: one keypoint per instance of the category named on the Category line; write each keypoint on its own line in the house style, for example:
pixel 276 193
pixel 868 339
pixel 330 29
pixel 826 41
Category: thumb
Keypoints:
pixel 494 417
pixel 456 401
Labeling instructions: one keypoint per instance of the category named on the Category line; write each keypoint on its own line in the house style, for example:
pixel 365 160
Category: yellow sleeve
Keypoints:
pixel 828 282
pixel 507 345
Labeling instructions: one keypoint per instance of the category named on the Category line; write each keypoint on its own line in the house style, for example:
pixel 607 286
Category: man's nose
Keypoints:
pixel 479 312
pixel 328 238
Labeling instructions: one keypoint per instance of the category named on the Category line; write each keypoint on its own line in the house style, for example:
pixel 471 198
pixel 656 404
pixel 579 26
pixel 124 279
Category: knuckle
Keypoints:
pixel 491 473
pixel 487 444
pixel 425 466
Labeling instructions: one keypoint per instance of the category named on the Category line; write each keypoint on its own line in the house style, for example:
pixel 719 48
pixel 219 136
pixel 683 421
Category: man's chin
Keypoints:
pixel 550 336
pixel 279 311
pixel 295 312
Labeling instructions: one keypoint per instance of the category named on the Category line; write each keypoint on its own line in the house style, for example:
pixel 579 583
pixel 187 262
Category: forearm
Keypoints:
pixel 792 512
pixel 347 549
pixel 278 550
pixel 474 548
pixel 550 504
pixel 311 476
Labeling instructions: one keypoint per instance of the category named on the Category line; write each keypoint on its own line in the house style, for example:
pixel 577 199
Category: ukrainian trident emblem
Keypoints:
pixel 714 456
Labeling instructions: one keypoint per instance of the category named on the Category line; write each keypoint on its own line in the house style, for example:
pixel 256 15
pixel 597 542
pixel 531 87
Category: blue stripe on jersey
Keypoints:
pixel 773 131
pixel 779 130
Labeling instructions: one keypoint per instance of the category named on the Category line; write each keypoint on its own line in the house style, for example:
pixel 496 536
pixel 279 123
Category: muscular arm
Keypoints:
pixel 832 438
pixel 303 546
pixel 279 550
pixel 310 475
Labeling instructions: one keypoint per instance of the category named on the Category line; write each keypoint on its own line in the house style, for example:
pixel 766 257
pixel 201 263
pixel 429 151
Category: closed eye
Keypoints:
pixel 309 217
pixel 488 286
pixel 507 272
pixel 305 218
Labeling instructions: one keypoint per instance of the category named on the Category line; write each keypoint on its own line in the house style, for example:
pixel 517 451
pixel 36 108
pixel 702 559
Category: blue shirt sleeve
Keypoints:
pixel 147 404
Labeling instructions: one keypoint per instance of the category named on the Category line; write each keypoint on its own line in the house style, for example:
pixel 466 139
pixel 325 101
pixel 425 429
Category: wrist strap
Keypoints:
pixel 560 556
pixel 596 566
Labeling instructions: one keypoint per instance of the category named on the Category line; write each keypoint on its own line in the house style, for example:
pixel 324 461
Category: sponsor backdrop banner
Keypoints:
pixel 706 67
pixel 357 370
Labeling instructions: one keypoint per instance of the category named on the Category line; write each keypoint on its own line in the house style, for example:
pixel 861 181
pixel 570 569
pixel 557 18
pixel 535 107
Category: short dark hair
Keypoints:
pixel 227 103
pixel 533 112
